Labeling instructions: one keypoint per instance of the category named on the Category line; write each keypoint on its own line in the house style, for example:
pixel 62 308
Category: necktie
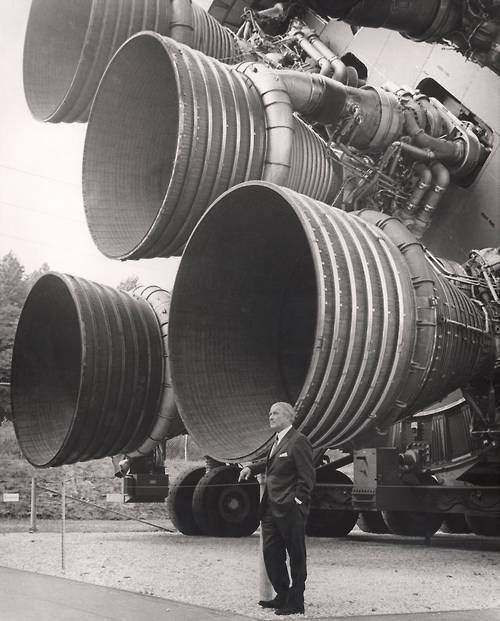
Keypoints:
pixel 275 445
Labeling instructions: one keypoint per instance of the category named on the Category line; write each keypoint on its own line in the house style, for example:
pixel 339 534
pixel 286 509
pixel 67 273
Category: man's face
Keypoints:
pixel 278 420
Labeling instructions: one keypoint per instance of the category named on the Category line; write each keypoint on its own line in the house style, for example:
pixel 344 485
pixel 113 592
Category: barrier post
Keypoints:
pixel 63 523
pixel 266 590
pixel 185 448
pixel 33 526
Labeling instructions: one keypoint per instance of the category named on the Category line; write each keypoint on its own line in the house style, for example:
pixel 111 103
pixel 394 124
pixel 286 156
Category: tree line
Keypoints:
pixel 15 285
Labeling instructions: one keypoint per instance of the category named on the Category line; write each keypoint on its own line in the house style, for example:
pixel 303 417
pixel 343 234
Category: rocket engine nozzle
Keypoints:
pixel 90 373
pixel 340 314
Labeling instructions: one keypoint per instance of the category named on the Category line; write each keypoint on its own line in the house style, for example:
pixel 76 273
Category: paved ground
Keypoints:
pixel 27 596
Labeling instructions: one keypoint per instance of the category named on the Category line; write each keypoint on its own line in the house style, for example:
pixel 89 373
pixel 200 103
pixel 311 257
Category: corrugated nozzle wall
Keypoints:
pixel 170 131
pixel 69 43
pixel 282 298
pixel 168 422
pixel 88 375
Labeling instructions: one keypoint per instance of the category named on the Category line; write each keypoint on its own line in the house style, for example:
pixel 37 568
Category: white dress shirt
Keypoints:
pixel 280 434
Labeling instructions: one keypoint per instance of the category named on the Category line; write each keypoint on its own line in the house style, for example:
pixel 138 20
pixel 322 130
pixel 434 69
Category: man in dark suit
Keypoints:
pixel 284 508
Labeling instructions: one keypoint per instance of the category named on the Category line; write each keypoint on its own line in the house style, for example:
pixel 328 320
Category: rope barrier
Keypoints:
pixel 322 485
pixel 93 504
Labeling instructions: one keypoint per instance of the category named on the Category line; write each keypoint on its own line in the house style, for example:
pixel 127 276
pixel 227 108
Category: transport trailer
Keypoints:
pixel 329 172
pixel 428 484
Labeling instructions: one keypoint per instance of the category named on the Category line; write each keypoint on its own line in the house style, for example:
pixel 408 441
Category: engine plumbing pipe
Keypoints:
pixel 90 374
pixel 328 101
pixel 439 183
pixel 171 130
pixel 330 65
pixel 69 43
pixel 407 213
pixel 338 67
pixel 448 151
pixel 383 119
pixel 338 313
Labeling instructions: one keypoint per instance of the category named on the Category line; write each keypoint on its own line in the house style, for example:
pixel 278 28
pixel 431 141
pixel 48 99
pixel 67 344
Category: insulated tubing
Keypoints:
pixel 68 44
pixel 282 298
pixel 86 372
pixel 170 131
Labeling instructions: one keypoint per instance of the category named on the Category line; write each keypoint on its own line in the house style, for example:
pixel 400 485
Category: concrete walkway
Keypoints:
pixel 27 596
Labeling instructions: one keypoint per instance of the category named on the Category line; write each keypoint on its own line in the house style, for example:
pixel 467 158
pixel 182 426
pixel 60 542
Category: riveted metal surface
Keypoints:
pixel 326 317
pixel 86 372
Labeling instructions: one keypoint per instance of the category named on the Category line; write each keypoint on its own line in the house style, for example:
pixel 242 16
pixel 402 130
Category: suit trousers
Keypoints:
pixel 279 536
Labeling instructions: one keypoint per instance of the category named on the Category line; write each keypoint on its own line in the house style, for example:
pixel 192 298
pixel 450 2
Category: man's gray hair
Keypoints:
pixel 285 408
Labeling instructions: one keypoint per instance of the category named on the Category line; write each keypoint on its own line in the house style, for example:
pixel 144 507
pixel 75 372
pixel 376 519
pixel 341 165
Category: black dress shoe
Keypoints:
pixel 290 610
pixel 276 602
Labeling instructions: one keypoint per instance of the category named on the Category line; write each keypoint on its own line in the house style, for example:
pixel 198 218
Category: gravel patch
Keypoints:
pixel 361 574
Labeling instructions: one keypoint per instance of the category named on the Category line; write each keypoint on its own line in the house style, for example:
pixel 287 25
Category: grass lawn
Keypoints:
pixel 91 481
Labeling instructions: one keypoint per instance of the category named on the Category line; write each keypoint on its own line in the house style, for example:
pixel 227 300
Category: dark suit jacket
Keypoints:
pixel 289 473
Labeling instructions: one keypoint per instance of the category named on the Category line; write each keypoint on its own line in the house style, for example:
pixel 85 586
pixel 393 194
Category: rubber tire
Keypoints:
pixel 180 500
pixel 328 522
pixel 483 525
pixel 372 522
pixel 412 524
pixel 222 507
pixel 455 523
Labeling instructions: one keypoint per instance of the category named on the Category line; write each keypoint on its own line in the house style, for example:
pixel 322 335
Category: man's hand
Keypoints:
pixel 245 474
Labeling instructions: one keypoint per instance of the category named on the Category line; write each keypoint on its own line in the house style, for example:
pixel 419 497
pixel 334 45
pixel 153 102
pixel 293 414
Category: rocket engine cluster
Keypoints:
pixel 299 196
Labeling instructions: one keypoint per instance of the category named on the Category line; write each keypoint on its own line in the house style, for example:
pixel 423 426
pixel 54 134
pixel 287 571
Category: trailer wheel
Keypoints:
pixel 324 521
pixel 483 525
pixel 455 523
pixel 222 507
pixel 412 524
pixel 372 522
pixel 180 501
